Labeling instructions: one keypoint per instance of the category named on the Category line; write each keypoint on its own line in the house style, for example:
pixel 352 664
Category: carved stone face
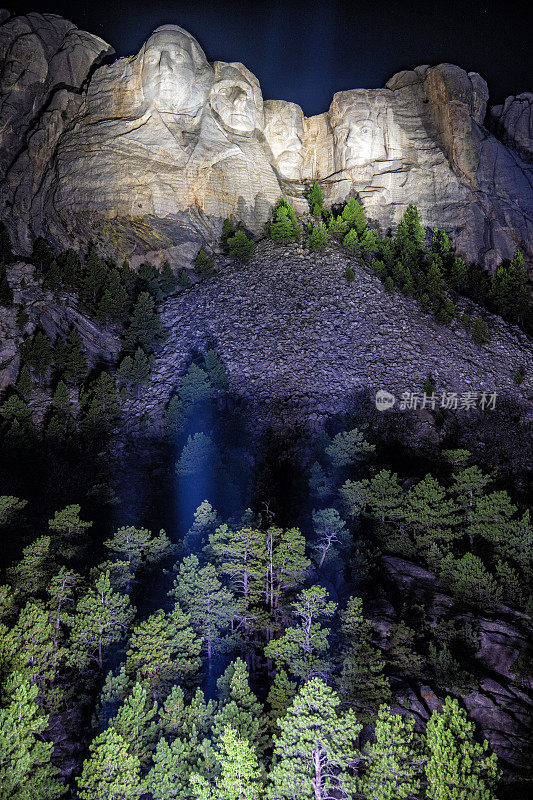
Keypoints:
pixel 236 99
pixel 360 129
pixel 284 132
pixel 176 77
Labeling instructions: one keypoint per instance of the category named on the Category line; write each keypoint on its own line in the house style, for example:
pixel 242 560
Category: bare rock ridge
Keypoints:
pixel 148 154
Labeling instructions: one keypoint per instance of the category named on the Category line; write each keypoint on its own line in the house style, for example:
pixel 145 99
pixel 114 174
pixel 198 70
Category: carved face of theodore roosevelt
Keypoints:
pixel 176 77
pixel 360 128
pixel 236 99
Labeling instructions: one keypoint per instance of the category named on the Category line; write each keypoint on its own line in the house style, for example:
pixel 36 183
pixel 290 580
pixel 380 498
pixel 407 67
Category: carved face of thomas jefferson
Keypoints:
pixel 236 99
pixel 176 76
pixel 284 132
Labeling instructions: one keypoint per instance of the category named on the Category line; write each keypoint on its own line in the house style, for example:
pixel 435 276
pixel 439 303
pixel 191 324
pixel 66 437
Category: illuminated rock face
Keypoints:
pixel 147 155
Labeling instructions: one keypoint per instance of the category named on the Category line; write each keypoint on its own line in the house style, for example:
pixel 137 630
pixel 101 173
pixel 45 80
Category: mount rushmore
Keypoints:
pixel 148 154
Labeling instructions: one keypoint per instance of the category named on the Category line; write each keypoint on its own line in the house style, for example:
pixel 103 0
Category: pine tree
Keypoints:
pixel 318 237
pixel 458 276
pixel 381 495
pixel 167 279
pixel 145 328
pixel 284 226
pixel 164 649
pixel 61 399
pixel 184 281
pixel 511 289
pixel 320 485
pixel 93 279
pixel 353 214
pixel 349 274
pixel 286 564
pixel 31 574
pixel 148 281
pixel 402 655
pixel 208 603
pixel 37 353
pixel 469 581
pixel 240 771
pixel 315 198
pixel 70 266
pixel 111 772
pixel 102 619
pixel 216 371
pixel 239 707
pixel 177 719
pixel 430 513
pixel 173 765
pixel 410 231
pixel 20 432
pixel 24 384
pixel 393 761
pixel 337 228
pixel 115 301
pixel 29 649
pixel 139 546
pixel 75 367
pixel 368 242
pixel 53 278
pixel 351 241
pixel 62 591
pixel 480 331
pixel 199 456
pixel 330 532
pixel 303 646
pixel 349 448
pixel 228 229
pixel 442 245
pixel 203 264
pixel 124 371
pixel 101 406
pixel 316 750
pixel 240 247
pixel 457 767
pixel 241 555
pixel 205 522
pixel 9 506
pixel 362 682
pixel 136 722
pixel 26 772
pixel 128 278
pixel 70 531
pixel 42 254
pixel 280 697
pixel 195 386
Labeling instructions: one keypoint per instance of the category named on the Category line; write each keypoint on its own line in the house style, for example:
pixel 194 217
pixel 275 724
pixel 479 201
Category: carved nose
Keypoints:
pixel 165 61
pixel 238 97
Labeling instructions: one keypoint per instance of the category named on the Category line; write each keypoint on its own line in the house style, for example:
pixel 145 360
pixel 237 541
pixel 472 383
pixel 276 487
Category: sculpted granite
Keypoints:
pixel 148 154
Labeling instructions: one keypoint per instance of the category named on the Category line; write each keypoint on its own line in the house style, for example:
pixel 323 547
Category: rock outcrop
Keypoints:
pixel 55 315
pixel 150 153
pixel 513 124
pixel 501 704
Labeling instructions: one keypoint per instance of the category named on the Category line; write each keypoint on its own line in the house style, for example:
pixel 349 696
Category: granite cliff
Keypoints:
pixel 148 154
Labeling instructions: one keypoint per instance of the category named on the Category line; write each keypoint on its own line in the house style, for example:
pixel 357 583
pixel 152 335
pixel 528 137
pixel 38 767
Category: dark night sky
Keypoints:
pixel 304 52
